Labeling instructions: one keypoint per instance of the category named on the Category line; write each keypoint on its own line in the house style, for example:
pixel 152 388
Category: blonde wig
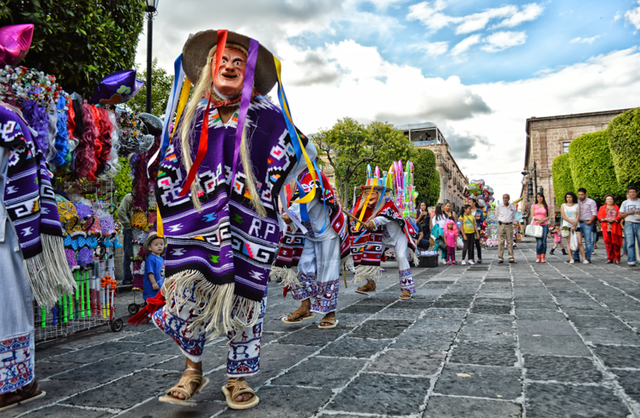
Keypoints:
pixel 203 88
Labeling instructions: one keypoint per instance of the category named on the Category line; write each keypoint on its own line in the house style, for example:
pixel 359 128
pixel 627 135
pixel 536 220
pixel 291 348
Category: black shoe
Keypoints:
pixel 552 251
pixel 512 261
pixel 564 252
pixel 126 282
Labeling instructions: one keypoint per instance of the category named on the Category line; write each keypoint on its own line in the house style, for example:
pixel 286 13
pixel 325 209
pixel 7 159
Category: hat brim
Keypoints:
pixel 195 54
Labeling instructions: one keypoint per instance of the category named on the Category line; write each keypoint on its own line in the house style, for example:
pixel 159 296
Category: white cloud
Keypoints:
pixel 478 21
pixel 465 44
pixel 633 16
pixel 584 40
pixel 529 12
pixel 431 15
pixel 434 48
pixel 500 41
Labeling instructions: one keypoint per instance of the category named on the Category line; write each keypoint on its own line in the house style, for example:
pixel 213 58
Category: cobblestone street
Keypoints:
pixel 526 340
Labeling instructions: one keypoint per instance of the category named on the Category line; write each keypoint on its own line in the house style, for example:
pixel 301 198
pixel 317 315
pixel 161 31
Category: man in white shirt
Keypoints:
pixel 506 215
pixel 630 212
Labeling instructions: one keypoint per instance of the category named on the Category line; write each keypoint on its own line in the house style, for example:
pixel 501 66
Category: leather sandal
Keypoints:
pixel 184 388
pixel 297 316
pixel 235 388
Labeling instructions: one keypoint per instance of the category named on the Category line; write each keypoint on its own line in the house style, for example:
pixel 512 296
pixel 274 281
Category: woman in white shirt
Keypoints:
pixel 570 211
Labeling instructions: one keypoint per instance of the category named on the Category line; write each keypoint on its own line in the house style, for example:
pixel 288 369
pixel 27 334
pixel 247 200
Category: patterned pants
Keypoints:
pixel 402 252
pixel 243 358
pixel 319 275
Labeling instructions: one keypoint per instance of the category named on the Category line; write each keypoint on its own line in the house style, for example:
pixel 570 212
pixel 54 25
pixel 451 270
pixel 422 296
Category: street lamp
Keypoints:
pixel 151 7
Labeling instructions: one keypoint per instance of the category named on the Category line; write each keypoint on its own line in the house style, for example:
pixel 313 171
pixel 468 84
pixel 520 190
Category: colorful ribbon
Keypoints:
pixel 293 133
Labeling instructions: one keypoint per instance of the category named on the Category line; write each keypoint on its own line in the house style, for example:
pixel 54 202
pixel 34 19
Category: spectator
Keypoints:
pixel 630 212
pixel 423 219
pixel 506 214
pixel 557 240
pixel 446 209
pixel 438 229
pixel 570 211
pixel 469 233
pixel 125 212
pixel 588 216
pixel 609 216
pixel 477 212
pixel 541 217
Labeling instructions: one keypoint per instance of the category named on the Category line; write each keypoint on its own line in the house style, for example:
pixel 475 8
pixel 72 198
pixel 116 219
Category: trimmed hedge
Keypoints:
pixel 592 167
pixel 624 143
pixel 562 180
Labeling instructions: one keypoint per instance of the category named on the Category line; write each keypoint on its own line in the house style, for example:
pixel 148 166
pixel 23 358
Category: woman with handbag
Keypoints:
pixel 609 217
pixel 540 211
pixel 570 211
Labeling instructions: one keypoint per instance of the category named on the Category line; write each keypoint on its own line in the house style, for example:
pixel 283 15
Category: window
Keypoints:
pixel 565 147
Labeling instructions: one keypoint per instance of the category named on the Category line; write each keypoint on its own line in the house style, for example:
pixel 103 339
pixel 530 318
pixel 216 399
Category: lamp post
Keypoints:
pixel 151 7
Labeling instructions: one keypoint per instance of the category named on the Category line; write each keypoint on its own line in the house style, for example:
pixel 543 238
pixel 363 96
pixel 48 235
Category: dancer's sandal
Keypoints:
pixel 235 388
pixel 184 388
pixel 405 295
pixel 367 288
pixel 25 394
pixel 297 317
pixel 330 322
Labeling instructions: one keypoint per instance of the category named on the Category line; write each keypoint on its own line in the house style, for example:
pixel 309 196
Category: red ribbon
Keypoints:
pixel 204 133
pixel 202 152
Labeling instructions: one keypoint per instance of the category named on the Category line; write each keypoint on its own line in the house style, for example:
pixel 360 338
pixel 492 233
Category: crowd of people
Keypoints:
pixel 580 217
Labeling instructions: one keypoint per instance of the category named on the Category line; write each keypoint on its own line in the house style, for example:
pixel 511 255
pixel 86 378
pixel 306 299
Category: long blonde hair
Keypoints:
pixel 203 88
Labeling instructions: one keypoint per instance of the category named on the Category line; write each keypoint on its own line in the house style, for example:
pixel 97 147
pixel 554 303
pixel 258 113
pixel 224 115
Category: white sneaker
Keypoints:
pixel 585 262
pixel 572 261
pixel 464 263
pixel 471 262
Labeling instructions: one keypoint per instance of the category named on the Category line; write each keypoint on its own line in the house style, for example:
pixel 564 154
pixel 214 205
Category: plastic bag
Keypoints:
pixel 573 243
pixel 459 243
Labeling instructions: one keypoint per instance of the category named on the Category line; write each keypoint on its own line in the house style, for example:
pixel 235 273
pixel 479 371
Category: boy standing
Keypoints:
pixel 630 212
pixel 153 266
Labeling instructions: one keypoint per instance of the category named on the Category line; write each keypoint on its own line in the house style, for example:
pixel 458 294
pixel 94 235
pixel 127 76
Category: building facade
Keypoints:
pixel 452 181
pixel 548 137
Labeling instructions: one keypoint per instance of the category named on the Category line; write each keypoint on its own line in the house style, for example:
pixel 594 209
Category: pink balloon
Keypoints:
pixel 15 41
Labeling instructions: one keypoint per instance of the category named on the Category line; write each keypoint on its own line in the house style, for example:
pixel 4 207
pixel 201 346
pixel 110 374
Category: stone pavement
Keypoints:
pixel 526 340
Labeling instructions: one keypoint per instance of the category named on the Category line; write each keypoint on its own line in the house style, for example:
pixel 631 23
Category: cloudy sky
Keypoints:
pixel 478 69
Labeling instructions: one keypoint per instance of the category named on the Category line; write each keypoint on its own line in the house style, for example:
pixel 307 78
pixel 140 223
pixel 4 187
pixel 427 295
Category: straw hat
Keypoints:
pixel 196 52
pixel 152 235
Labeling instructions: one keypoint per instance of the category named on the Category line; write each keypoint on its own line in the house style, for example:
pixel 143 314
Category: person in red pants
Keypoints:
pixel 609 217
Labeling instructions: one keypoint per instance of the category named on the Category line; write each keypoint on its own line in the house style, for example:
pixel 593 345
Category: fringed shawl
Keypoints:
pixel 225 249
pixel 30 203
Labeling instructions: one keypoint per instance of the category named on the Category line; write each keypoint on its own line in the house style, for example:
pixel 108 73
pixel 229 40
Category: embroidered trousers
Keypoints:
pixel 17 345
pixel 243 358
pixel 319 275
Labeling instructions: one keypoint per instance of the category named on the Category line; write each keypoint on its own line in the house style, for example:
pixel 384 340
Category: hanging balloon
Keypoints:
pixel 481 202
pixel 15 41
pixel 117 88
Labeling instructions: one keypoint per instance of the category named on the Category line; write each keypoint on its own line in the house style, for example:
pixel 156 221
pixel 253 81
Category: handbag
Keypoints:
pixel 534 231
pixel 573 243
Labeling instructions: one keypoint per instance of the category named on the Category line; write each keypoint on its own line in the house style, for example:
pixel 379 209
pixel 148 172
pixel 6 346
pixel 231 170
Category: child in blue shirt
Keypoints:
pixel 153 265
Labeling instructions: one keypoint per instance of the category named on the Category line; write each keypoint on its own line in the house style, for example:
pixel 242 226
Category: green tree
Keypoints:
pixel 350 146
pixel 592 166
pixel 562 180
pixel 346 146
pixel 426 177
pixel 79 42
pixel 624 143
pixel 161 83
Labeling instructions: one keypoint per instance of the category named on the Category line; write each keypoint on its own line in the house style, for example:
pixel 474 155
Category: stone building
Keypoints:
pixel 548 137
pixel 452 181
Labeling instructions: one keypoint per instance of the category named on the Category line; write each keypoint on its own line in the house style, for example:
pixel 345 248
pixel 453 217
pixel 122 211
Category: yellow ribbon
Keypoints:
pixel 182 103
pixel 285 108
pixel 160 229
